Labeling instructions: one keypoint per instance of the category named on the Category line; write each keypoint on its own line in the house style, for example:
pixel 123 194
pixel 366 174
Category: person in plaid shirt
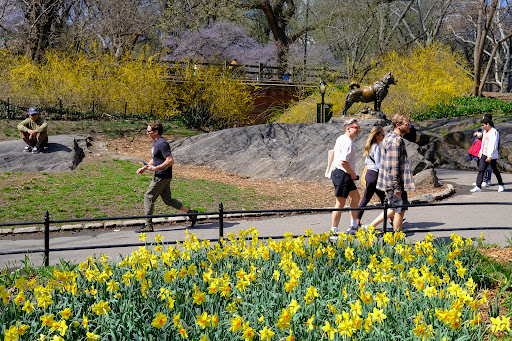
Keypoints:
pixel 395 176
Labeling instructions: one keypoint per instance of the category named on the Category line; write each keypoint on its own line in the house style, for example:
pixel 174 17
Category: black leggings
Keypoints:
pixel 482 167
pixel 371 189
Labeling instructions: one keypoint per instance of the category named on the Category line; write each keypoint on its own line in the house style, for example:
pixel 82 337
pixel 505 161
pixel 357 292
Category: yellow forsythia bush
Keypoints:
pixel 425 76
pixel 204 97
pixel 208 96
pixel 76 80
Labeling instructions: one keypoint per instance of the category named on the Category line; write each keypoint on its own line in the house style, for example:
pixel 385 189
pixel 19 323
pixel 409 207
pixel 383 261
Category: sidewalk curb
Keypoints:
pixel 426 198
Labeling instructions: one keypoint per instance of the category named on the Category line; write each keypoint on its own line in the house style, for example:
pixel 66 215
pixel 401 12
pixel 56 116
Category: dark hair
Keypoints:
pixel 486 120
pixel 155 125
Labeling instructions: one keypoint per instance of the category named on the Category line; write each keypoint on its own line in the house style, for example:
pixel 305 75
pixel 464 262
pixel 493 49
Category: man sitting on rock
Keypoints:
pixel 33 130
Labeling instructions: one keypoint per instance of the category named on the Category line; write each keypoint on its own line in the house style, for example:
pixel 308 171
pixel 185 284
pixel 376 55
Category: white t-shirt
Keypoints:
pixel 344 150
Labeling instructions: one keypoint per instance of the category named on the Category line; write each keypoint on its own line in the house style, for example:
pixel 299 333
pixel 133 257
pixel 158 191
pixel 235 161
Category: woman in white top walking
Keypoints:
pixel 372 161
pixel 488 155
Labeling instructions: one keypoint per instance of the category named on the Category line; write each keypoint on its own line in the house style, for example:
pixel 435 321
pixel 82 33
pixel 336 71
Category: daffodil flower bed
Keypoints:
pixel 306 288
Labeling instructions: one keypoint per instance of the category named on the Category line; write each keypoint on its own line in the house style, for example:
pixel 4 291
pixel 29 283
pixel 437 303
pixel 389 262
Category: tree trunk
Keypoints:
pixel 484 24
pixel 506 71
pixel 40 16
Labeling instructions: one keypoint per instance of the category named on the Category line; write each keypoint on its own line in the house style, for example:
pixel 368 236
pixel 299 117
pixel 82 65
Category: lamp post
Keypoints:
pixel 323 86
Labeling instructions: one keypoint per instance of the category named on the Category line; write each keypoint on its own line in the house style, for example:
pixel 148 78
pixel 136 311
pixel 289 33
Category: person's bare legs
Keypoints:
pixel 354 203
pixel 336 215
pixel 398 221
pixel 380 218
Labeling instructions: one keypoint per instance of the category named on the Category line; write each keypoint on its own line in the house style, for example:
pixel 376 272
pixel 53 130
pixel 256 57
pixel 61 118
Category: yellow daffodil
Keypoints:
pixel 112 286
pixel 176 319
pixel 382 299
pixel 236 324
pixel 182 331
pixel 377 315
pixel 215 320
pixel 356 308
pixel 28 307
pixel 349 253
pixel 203 320
pixel 329 330
pixel 248 333
pixel 423 331
pixel 294 306
pixel 309 323
pixel 266 333
pixel 85 322
pixel 199 297
pixel 101 308
pixel 159 321
pixel 500 324
pixel 47 320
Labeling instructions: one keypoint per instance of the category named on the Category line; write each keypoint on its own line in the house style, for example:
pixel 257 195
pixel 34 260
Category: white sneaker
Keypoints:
pixel 27 149
pixel 352 230
pixel 489 183
pixel 476 189
pixel 484 184
pixel 334 231
pixel 501 188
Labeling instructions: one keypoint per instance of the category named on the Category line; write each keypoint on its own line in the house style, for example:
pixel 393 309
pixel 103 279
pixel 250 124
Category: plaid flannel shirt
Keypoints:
pixel 394 173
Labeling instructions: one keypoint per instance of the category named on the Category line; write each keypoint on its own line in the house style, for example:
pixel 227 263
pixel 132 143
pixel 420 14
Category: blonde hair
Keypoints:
pixel 371 139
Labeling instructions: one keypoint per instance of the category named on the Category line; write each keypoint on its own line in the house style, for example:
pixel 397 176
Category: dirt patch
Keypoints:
pixel 295 194
pixel 500 255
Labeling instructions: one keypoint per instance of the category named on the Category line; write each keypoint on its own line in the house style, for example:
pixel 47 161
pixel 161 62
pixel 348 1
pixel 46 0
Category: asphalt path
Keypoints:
pixel 446 217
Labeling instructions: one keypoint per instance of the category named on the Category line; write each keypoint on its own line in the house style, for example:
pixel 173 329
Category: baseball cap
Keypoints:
pixel 32 111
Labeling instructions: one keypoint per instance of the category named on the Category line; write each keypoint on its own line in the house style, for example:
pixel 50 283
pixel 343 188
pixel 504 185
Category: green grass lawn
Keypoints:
pixel 109 189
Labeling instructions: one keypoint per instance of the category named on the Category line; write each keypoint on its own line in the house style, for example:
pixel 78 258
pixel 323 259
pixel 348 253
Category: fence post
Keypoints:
pixel 125 107
pixel 47 238
pixel 8 107
pixel 386 206
pixel 260 75
pixel 93 107
pixel 221 220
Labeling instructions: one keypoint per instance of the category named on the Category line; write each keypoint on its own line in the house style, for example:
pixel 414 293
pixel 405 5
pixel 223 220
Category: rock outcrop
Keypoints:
pixel 274 151
pixel 64 153
pixel 445 142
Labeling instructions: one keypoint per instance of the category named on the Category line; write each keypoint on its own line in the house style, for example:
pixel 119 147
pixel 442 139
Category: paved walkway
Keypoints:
pixel 492 220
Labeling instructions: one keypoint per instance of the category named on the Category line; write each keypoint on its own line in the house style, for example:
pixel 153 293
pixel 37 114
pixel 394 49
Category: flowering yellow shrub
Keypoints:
pixel 426 76
pixel 208 96
pixel 78 80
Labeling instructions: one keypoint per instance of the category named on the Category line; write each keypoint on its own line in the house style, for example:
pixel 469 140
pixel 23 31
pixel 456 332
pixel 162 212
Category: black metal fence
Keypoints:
pixel 221 215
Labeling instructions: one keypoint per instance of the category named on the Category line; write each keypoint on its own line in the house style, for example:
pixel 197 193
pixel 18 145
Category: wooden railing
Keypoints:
pixel 266 74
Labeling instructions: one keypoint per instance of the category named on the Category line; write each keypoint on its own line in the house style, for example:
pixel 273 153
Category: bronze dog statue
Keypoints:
pixel 375 92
